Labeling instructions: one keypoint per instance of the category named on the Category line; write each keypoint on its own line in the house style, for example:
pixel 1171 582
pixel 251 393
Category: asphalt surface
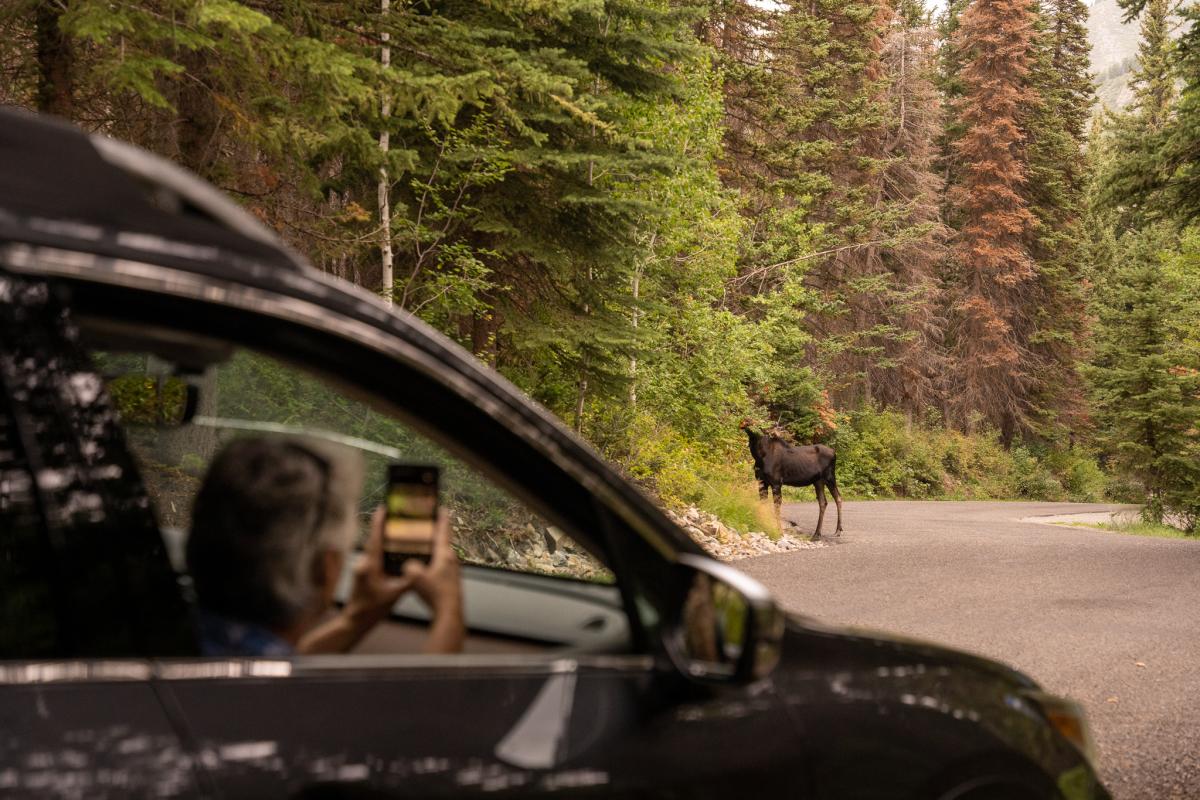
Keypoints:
pixel 1108 619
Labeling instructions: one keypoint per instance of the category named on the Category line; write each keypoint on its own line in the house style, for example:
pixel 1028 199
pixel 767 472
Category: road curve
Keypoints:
pixel 1108 619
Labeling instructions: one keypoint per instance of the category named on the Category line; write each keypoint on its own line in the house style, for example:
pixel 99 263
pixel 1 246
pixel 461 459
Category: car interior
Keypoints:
pixel 529 587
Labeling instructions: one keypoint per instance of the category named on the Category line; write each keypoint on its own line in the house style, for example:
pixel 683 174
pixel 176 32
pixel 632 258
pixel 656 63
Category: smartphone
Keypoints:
pixel 412 507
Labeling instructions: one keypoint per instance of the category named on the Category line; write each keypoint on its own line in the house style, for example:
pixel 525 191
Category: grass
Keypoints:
pixel 1136 527
pixel 737 504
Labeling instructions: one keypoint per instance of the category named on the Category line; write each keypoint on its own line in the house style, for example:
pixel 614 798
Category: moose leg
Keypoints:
pixel 821 502
pixel 837 498
pixel 762 487
pixel 777 490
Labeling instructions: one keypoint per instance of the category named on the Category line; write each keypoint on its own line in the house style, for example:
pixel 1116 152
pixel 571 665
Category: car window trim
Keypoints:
pixel 90 671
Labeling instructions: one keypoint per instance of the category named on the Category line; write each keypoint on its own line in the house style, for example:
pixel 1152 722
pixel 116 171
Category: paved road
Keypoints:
pixel 1109 619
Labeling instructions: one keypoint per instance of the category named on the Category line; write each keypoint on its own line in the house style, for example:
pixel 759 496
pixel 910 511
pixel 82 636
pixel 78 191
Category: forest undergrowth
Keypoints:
pixel 881 455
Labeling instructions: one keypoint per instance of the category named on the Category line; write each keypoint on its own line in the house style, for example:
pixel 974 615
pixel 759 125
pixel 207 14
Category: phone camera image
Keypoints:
pixel 412 501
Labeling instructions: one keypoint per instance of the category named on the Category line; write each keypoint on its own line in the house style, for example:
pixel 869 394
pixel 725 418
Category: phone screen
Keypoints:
pixel 412 501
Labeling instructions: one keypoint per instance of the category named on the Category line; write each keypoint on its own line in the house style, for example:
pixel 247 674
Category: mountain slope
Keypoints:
pixel 1114 49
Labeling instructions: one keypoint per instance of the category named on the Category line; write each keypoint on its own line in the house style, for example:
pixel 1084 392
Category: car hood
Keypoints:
pixel 808 641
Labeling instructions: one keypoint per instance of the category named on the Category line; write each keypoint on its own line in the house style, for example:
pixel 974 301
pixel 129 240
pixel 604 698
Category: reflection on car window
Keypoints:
pixel 27 620
pixel 254 394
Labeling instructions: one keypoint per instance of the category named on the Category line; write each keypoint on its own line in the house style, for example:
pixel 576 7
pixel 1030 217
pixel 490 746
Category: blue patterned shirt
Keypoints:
pixel 225 637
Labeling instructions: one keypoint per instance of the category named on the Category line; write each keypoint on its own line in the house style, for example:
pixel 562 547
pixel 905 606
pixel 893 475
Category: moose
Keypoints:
pixel 778 463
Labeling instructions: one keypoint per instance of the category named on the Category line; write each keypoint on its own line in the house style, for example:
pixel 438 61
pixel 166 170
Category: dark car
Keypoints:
pixel 145 320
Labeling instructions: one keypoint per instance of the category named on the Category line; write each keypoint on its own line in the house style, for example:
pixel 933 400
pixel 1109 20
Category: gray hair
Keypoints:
pixel 266 509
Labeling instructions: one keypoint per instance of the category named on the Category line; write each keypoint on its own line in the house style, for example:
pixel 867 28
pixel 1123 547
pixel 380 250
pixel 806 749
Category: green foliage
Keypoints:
pixel 1146 372
pixel 882 455
pixel 1145 368
pixel 715 476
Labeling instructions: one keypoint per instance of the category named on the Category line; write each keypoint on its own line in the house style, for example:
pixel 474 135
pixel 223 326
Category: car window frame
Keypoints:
pixel 653 555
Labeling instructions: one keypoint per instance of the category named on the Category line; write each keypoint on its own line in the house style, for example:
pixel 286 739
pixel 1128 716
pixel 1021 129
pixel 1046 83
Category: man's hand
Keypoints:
pixel 374 592
pixel 440 585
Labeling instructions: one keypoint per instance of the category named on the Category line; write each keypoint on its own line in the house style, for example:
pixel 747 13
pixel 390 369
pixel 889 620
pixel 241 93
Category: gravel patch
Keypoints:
pixel 727 544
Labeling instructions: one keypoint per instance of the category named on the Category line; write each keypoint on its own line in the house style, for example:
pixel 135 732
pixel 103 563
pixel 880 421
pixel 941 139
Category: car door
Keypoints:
pixel 538 704
pixel 79 709
pixel 523 726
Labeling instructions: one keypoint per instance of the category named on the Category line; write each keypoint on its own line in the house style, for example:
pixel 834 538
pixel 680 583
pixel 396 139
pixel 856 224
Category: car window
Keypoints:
pixel 251 393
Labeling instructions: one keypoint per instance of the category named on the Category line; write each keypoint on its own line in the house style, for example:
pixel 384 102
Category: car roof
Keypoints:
pixel 63 188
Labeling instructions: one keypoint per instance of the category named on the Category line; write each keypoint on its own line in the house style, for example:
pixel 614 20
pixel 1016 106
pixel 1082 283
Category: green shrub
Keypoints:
pixel 882 454
pixel 1080 475
pixel 716 477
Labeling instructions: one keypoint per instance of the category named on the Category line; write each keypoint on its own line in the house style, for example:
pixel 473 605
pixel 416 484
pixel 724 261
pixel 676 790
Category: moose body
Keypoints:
pixel 778 463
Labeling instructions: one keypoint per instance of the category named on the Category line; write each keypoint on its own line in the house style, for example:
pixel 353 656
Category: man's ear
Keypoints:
pixel 327 571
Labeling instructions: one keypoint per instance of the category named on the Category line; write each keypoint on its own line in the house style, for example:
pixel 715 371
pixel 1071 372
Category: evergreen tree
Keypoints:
pixel 765 53
pixel 1139 134
pixel 833 155
pixel 949 81
pixel 1146 381
pixel 993 268
pixel 1170 177
pixel 1153 81
pixel 509 133
pixel 1144 375
pixel 1055 133
pixel 907 312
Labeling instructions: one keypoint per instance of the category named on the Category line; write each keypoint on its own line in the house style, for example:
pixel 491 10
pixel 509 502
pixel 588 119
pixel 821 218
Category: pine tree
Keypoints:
pixel 1055 131
pixel 949 82
pixel 839 191
pixel 854 326
pixel 1146 381
pixel 1170 178
pixel 771 106
pixel 1153 81
pixel 1145 373
pixel 508 138
pixel 1130 185
pixel 907 311
pixel 994 270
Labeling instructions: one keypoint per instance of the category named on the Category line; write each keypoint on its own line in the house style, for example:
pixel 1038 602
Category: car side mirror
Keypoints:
pixel 157 401
pixel 728 629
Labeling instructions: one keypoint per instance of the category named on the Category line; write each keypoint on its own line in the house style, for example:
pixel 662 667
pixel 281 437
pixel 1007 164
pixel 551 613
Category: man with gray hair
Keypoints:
pixel 271 528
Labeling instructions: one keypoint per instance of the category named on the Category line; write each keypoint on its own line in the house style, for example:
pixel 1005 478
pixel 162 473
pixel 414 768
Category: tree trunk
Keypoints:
pixel 1008 430
pixel 484 327
pixel 633 362
pixel 194 142
pixel 385 204
pixel 580 399
pixel 198 120
pixel 55 62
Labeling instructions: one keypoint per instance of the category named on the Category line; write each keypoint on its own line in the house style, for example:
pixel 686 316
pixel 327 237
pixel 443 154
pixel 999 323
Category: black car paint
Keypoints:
pixel 844 714
pixel 911 713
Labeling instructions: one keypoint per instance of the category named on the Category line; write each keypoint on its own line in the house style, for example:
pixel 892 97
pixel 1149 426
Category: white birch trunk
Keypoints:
pixel 385 202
